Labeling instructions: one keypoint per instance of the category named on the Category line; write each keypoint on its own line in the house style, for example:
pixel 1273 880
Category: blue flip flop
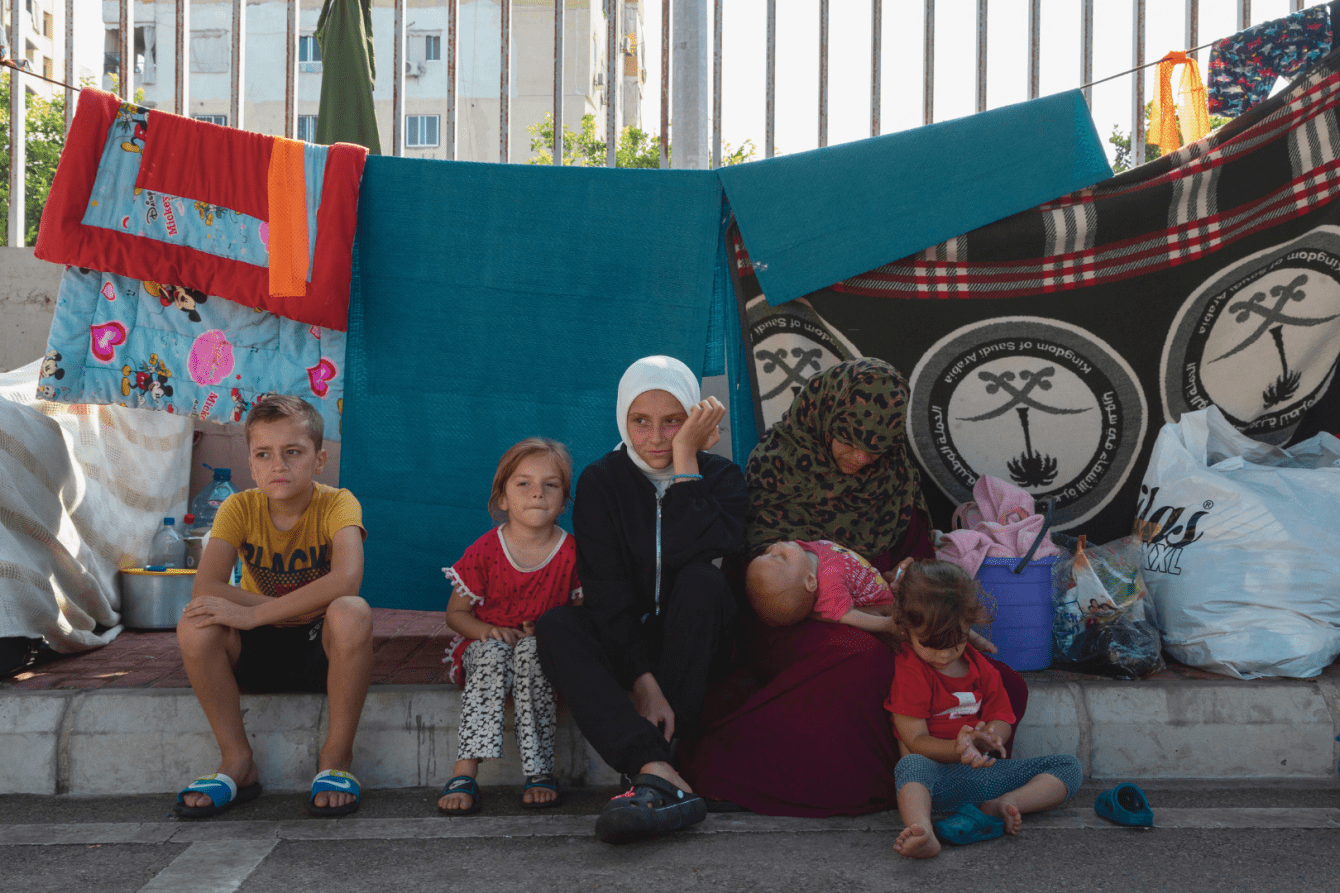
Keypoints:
pixel 222 792
pixel 1125 804
pixel 969 825
pixel 339 781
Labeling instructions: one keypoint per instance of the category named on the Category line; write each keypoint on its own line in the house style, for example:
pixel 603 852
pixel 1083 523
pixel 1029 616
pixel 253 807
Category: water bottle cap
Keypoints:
pixel 189 518
pixel 223 474
pixel 168 522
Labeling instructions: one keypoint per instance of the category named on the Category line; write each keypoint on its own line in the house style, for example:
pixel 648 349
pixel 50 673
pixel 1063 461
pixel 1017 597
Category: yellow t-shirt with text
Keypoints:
pixel 276 562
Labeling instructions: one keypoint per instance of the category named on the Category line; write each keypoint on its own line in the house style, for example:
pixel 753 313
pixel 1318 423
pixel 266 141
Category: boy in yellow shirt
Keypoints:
pixel 296 622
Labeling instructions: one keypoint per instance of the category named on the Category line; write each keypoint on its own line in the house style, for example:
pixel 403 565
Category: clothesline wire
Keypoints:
pixel 10 63
pixel 1138 67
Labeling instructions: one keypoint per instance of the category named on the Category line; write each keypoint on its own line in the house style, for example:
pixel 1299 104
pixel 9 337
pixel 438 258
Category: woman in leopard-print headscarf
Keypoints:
pixel 802 729
pixel 836 466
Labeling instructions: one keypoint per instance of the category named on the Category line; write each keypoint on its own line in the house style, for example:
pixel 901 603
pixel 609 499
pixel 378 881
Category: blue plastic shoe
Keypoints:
pixel 222 792
pixel 969 825
pixel 335 780
pixel 1126 805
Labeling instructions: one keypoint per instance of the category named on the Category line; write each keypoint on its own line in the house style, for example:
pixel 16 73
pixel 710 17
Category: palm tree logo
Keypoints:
pixel 1274 320
pixel 1031 468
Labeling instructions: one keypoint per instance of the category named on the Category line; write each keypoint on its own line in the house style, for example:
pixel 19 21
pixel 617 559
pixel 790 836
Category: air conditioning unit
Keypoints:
pixel 414 69
pixel 309 66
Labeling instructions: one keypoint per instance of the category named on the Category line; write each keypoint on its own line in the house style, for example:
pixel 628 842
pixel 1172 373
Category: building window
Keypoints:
pixel 146 54
pixel 210 51
pixel 308 49
pixel 221 120
pixel 421 131
pixel 307 128
pixel 432 48
pixel 46 24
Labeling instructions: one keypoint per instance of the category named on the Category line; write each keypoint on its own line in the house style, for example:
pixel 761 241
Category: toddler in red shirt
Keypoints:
pixel 952 717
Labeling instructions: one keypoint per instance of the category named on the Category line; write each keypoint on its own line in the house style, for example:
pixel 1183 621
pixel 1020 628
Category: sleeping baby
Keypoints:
pixel 795 579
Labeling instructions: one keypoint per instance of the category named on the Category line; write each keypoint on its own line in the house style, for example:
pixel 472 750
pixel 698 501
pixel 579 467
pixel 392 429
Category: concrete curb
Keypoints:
pixel 532 827
pixel 142 741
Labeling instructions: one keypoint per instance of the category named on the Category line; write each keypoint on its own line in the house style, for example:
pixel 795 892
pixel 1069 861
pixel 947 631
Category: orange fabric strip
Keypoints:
pixel 1191 112
pixel 288 219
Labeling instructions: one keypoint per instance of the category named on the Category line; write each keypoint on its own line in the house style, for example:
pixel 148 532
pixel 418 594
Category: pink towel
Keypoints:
pixel 998 523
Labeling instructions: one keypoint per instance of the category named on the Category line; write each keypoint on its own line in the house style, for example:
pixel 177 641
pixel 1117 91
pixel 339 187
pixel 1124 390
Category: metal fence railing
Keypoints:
pixel 614 12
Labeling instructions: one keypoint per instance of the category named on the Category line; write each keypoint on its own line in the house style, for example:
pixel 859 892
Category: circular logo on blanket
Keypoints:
pixel 791 343
pixel 1259 339
pixel 1042 404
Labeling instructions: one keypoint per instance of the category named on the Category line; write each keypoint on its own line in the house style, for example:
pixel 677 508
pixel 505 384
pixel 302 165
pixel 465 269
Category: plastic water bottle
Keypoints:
pixel 167 549
pixel 195 541
pixel 206 503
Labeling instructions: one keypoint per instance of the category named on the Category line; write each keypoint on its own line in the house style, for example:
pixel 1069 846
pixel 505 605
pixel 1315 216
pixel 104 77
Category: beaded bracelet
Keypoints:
pixel 690 477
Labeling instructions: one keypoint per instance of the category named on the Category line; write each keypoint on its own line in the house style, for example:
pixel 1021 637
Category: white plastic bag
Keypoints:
pixel 1242 548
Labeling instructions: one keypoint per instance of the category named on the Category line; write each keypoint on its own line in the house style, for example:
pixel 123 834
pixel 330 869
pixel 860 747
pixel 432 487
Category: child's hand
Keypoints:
pixel 974 745
pixel 981 642
pixel 209 610
pixel 527 628
pixel 892 577
pixel 504 634
pixel 701 430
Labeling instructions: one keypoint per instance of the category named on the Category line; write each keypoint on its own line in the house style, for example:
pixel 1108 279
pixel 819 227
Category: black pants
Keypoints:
pixel 694 638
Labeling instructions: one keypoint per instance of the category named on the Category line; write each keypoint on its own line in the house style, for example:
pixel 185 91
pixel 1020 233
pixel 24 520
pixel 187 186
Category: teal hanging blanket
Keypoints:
pixel 496 302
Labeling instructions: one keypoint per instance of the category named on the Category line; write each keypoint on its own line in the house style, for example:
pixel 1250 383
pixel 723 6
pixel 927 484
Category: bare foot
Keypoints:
pixel 917 843
pixel 243 772
pixel 1008 812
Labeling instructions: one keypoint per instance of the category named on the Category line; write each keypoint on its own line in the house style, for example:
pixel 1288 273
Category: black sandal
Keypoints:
pixel 544 780
pixel 652 806
pixel 462 784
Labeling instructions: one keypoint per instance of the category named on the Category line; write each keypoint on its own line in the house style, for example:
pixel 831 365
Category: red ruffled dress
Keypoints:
pixel 504 593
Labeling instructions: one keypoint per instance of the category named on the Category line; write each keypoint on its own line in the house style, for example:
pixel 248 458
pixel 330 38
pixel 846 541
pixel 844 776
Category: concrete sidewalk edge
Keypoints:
pixel 142 741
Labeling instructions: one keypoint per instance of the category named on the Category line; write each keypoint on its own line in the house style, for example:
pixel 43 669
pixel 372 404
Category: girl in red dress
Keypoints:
pixel 504 581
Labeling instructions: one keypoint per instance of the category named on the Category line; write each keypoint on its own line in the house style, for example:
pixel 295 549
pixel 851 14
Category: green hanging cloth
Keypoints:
pixel 348 71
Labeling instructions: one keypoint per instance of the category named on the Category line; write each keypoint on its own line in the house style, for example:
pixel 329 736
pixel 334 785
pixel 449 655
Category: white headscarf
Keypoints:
pixel 657 373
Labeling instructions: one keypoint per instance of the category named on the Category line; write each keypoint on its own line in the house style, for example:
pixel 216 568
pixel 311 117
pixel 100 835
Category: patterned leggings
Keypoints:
pixel 492 669
pixel 954 784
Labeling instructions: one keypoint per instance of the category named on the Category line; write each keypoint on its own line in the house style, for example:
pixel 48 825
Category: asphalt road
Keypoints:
pixel 1213 837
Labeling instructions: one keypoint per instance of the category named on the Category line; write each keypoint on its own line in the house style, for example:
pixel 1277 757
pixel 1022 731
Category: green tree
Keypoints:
pixel 1125 159
pixel 45 138
pixel 634 148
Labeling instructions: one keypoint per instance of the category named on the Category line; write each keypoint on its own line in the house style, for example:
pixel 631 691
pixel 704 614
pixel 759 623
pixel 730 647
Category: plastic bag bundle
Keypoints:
pixel 1100 625
pixel 1242 548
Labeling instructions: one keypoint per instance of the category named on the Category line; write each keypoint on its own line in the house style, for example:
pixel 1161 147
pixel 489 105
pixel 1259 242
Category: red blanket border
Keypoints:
pixel 63 238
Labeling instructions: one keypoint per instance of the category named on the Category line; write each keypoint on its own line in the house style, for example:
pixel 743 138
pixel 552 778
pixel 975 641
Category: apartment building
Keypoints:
pixel 478 79
pixel 42 43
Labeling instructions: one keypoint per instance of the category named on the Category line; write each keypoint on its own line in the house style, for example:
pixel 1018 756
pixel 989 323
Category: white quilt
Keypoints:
pixel 82 491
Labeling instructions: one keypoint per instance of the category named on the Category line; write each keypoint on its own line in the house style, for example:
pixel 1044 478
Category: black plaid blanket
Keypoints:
pixel 1050 347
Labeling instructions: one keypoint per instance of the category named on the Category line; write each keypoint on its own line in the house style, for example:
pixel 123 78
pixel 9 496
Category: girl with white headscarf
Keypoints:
pixel 649 517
